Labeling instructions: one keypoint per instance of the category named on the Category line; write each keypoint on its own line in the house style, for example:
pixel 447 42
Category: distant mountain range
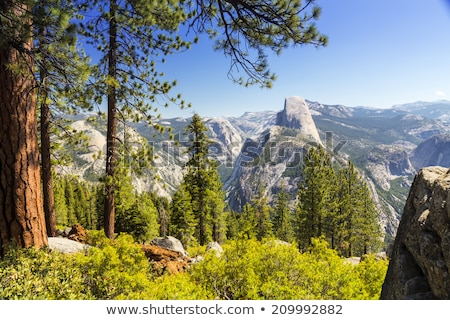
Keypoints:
pixel 265 148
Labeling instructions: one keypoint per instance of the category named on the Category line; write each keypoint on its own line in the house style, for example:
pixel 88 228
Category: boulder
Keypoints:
pixel 65 245
pixel 63 233
pixel 165 260
pixel 78 233
pixel 420 258
pixel 214 246
pixel 170 243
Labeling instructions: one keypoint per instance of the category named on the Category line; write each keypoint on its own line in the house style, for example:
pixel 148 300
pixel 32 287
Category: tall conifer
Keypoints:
pixel 358 214
pixel 247 222
pixel 138 33
pixel 182 219
pixel 315 195
pixel 282 217
pixel 62 70
pixel 261 209
pixel 203 185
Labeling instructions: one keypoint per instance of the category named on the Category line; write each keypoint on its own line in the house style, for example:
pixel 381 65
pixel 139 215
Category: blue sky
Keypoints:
pixel 380 53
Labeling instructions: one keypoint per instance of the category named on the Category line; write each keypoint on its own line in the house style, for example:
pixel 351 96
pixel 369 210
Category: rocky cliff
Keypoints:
pixel 274 156
pixel 296 115
pixel 433 151
pixel 420 259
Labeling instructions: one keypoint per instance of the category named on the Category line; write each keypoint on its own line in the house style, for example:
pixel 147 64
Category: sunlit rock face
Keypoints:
pixel 420 259
pixel 296 115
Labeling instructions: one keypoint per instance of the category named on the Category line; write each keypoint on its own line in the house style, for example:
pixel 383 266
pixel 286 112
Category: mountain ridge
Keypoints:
pixel 257 146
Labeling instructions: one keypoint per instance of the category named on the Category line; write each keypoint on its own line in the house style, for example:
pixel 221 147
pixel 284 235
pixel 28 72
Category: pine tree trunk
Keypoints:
pixel 47 181
pixel 21 209
pixel 112 128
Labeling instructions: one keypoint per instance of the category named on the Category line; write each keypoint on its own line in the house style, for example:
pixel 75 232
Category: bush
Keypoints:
pixel 372 272
pixel 247 269
pixel 40 274
pixel 177 287
pixel 254 270
pixel 115 269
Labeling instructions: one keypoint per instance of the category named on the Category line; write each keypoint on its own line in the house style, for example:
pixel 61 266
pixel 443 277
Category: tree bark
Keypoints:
pixel 21 209
pixel 112 127
pixel 47 180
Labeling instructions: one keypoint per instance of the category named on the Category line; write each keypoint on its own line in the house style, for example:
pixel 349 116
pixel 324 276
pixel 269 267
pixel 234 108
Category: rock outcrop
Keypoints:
pixel 69 240
pixel 216 247
pixel 420 260
pixel 165 260
pixel 296 115
pixel 78 233
pixel 65 245
pixel 170 243
pixel 274 158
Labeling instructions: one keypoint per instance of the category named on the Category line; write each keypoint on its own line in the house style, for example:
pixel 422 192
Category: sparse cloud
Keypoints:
pixel 440 93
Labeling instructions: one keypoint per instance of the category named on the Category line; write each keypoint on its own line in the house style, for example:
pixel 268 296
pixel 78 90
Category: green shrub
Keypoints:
pixel 253 270
pixel 40 274
pixel 177 287
pixel 372 272
pixel 247 269
pixel 115 269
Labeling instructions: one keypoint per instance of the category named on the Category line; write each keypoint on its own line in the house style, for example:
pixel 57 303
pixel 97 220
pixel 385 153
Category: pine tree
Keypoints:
pixel 21 211
pixel 148 217
pixel 71 202
pixel 99 205
pixel 140 219
pixel 62 69
pixel 315 196
pixel 336 206
pixel 124 199
pixel 247 222
pixel 215 207
pixel 233 224
pixel 84 199
pixel 182 220
pixel 81 204
pixel 358 214
pixel 203 185
pixel 282 217
pixel 244 30
pixel 370 233
pixel 261 209
pixel 46 39
pixel 162 205
pixel 136 32
pixel 61 210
